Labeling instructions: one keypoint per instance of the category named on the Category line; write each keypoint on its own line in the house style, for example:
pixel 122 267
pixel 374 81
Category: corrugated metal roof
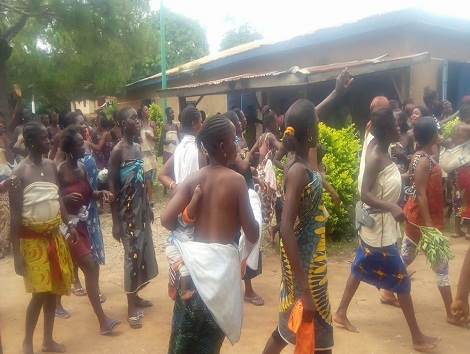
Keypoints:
pixel 259 48
pixel 294 76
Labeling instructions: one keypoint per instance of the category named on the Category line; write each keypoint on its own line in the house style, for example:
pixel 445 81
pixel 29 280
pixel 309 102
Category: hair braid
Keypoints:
pixel 213 133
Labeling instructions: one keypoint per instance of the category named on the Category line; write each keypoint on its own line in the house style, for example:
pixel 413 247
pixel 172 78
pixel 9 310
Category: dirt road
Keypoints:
pixel 382 328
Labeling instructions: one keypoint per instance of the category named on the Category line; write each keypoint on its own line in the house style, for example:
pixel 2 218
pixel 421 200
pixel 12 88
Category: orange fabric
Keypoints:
pixel 305 332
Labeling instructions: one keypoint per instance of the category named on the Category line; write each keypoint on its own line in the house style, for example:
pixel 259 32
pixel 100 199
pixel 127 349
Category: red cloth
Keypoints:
pixel 304 331
pixel 435 205
pixel 463 176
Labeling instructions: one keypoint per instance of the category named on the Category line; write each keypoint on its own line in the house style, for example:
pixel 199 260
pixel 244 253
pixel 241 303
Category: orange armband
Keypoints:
pixel 186 218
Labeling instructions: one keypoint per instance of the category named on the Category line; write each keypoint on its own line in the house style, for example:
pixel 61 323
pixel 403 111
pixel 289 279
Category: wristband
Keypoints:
pixel 172 184
pixel 186 218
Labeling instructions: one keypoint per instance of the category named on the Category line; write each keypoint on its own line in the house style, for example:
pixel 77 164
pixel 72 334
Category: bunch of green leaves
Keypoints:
pixel 448 128
pixel 110 109
pixel 435 245
pixel 342 161
pixel 156 115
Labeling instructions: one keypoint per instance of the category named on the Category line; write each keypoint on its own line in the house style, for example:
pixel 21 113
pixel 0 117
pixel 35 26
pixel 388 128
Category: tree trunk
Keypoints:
pixel 5 108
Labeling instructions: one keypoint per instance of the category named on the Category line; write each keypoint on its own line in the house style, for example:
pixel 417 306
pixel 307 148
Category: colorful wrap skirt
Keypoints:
pixel 49 267
pixel 381 267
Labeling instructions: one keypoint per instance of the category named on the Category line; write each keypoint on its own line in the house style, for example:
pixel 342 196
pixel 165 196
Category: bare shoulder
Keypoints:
pixel 19 169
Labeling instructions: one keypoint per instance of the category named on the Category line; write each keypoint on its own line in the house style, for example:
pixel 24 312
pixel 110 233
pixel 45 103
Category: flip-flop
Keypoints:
pixel 134 322
pixel 143 303
pixel 111 325
pixel 255 300
pixel 79 292
pixel 64 314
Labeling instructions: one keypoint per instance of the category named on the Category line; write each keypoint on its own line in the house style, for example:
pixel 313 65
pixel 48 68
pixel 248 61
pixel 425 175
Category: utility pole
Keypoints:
pixel 163 56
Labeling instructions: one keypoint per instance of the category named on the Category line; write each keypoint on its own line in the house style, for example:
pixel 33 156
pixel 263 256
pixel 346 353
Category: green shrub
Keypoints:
pixel 342 161
pixel 156 115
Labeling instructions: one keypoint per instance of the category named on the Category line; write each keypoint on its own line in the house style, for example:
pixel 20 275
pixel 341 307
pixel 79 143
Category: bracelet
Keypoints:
pixel 172 184
pixel 70 225
pixel 186 218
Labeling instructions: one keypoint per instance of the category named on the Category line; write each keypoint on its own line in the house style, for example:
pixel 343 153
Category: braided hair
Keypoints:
pixel 67 140
pixel 123 114
pixel 189 115
pixel 30 132
pixel 213 133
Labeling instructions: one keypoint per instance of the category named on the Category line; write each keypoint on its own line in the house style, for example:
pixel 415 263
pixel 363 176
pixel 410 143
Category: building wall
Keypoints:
pixel 86 106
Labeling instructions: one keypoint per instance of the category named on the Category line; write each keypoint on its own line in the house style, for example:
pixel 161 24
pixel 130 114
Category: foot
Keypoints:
pixel 411 273
pixel 53 347
pixel 424 342
pixel 28 348
pixel 458 234
pixel 108 328
pixel 388 298
pixel 187 294
pixel 343 321
pixel 102 298
pixel 62 313
pixel 142 303
pixel 79 291
pixel 134 322
pixel 254 300
pixel 452 321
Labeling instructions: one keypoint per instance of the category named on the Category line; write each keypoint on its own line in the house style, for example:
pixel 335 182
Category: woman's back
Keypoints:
pixel 218 217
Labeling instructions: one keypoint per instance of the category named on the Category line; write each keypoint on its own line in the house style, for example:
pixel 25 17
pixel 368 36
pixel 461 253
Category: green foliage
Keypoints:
pixel 435 245
pixel 241 35
pixel 341 158
pixel 156 115
pixel 185 41
pixel 110 109
pixel 448 128
pixel 69 50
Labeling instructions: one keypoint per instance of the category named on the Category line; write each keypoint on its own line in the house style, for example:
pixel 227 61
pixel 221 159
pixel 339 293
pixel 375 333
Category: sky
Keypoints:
pixel 282 19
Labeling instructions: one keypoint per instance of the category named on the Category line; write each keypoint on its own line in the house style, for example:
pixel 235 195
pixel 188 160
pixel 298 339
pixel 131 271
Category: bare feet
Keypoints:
pixel 187 294
pixel 425 342
pixel 388 298
pixel 28 348
pixel 452 321
pixel 53 347
pixel 343 321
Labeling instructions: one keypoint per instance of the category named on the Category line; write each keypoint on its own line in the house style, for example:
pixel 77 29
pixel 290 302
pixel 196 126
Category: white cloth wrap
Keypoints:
pixel 81 216
pixel 246 248
pixel 452 159
pixel 215 272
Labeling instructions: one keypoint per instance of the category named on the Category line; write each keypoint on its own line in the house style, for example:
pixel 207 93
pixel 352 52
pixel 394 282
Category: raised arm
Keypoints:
pixel 343 84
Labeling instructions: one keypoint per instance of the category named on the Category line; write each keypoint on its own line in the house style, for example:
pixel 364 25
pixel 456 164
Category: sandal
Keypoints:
pixel 79 292
pixel 64 314
pixel 134 322
pixel 394 303
pixel 111 325
pixel 255 300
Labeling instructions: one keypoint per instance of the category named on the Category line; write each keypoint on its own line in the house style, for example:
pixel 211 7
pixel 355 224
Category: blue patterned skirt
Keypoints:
pixel 381 267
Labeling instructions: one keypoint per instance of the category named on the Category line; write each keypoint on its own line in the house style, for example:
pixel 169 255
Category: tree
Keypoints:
pixel 240 35
pixel 185 41
pixel 69 49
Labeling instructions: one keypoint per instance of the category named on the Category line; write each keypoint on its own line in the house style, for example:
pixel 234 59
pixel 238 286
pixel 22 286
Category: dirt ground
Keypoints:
pixel 382 328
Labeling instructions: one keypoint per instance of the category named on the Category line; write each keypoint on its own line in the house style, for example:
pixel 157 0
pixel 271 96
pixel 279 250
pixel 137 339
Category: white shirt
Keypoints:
pixel 185 158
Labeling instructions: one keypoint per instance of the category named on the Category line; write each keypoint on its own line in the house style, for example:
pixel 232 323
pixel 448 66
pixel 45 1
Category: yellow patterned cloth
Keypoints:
pixel 309 233
pixel 49 267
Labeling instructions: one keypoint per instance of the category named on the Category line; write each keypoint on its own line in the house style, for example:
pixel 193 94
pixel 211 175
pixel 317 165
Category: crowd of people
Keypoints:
pixel 56 173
